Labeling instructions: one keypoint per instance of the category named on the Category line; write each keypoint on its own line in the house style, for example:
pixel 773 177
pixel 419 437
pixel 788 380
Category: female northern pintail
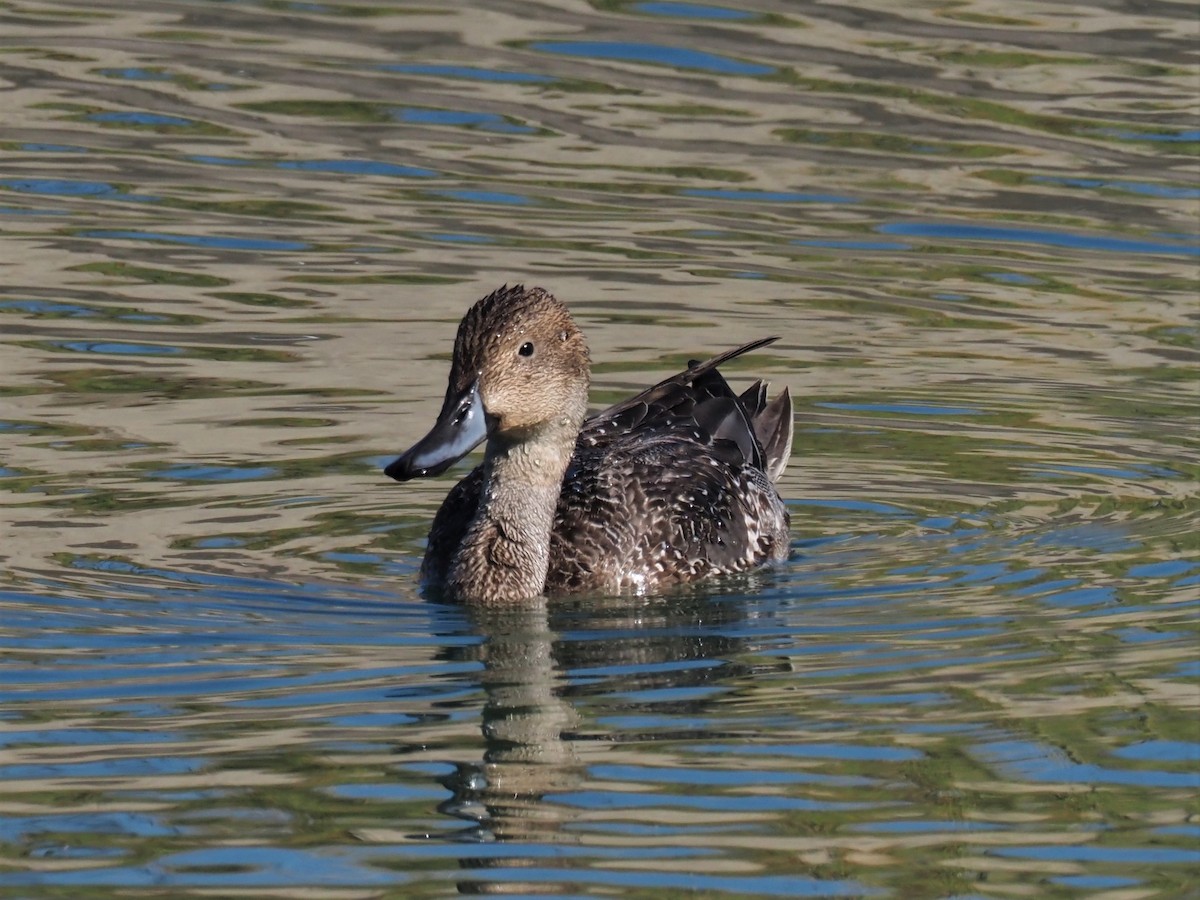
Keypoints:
pixel 670 486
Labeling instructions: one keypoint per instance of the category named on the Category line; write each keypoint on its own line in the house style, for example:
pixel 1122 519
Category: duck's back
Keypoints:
pixel 670 486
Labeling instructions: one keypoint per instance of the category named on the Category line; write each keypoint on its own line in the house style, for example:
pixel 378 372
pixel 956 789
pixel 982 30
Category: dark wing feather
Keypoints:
pixel 676 394
pixel 675 399
pixel 661 507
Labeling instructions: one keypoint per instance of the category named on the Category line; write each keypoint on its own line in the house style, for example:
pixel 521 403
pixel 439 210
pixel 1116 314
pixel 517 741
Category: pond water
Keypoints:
pixel 237 238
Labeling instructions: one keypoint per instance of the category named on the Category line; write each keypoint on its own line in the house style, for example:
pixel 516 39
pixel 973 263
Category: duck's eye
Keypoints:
pixel 526 349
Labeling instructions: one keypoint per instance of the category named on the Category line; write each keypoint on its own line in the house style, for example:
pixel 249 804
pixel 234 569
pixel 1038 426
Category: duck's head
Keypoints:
pixel 520 371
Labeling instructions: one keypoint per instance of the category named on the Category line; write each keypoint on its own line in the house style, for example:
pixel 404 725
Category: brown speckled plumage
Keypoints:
pixel 670 486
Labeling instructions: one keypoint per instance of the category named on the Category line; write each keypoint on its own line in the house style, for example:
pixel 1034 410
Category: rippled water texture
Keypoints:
pixel 236 240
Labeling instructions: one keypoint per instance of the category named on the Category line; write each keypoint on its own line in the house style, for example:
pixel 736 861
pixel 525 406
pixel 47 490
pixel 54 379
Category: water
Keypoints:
pixel 237 239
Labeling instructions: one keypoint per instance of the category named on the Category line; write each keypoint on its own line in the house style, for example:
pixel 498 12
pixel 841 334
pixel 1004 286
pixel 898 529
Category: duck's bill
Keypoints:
pixel 460 428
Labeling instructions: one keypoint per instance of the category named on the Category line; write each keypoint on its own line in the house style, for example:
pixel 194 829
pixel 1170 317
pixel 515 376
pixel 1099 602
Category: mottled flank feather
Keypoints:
pixel 670 486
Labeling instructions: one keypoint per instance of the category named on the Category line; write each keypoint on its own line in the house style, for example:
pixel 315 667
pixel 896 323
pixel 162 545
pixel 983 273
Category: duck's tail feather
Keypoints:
pixel 774 428
pixel 760 431
pixel 694 368
pixel 661 393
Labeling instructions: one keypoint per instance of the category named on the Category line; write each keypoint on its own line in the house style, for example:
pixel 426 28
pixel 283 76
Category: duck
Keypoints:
pixel 673 485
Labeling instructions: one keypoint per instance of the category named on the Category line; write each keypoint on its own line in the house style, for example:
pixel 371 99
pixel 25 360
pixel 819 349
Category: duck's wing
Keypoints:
pixel 661 506
pixel 669 393
pixel 699 399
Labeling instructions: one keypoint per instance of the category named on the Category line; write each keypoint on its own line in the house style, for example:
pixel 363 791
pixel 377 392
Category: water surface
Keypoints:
pixel 237 239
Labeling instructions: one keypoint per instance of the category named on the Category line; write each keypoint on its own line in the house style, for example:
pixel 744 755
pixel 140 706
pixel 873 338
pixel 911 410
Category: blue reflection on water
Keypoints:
pixel 110 823
pixel 365 558
pixel 358 167
pixel 1133 472
pixel 142 118
pixel 243 867
pixel 1167 191
pixel 499 197
pixel 691 11
pixel 643 880
pixel 906 408
pixel 221 160
pixel 47 307
pixel 1105 854
pixel 57 187
pixel 469 72
pixel 482 121
pixel 218 543
pixel 134 73
pixel 1032 761
pixel 885 509
pixel 335 166
pixel 1089 596
pixel 1162 751
pixel 1187 670
pixel 215 473
pixel 53 148
pixel 199 240
pixel 1134 635
pixel 1166 569
pixel 1012 278
pixel 112 347
pixel 656 54
pixel 1181 137
pixel 767 196
pixel 964 232
pixel 1097 536
pixel 82 737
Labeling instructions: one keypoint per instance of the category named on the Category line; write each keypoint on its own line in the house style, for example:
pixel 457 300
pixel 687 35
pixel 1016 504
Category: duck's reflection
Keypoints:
pixel 538 662
pixel 525 722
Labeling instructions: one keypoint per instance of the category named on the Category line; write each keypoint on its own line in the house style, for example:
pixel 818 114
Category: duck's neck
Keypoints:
pixel 505 554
